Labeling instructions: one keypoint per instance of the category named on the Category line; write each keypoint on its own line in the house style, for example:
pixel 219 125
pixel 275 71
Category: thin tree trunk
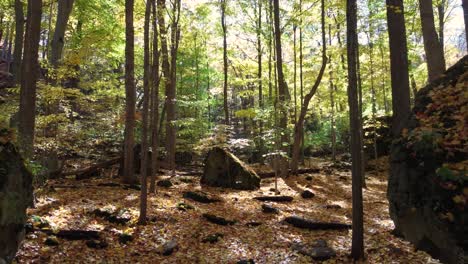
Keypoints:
pixel 332 99
pixel 357 248
pixel 301 74
pixel 63 14
pixel 49 32
pixel 434 51
pixel 19 40
pixel 130 94
pixel 295 72
pixel 155 103
pixel 270 51
pixel 299 126
pixel 225 62
pixel 399 65
pixel 441 14
pixel 465 15
pixel 172 89
pixel 283 94
pixel 146 97
pixel 384 80
pixel 27 108
pixel 259 54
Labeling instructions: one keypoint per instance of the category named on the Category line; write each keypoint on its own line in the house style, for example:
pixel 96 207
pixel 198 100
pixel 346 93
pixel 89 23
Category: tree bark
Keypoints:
pixel 259 54
pixel 283 94
pixel 30 68
pixel 146 97
pixel 332 99
pixel 19 40
pixel 130 95
pixel 399 65
pixel 155 102
pixel 465 15
pixel 299 126
pixel 171 89
pixel 63 14
pixel 225 62
pixel 434 52
pixel 357 248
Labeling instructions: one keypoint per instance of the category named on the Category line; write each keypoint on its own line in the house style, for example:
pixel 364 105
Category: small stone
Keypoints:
pixel 307 194
pixel 124 238
pixel 213 238
pixel 185 206
pixel 308 178
pixel 253 224
pixel 169 247
pixel 164 183
pixel 96 244
pixel 246 261
pixel 266 208
pixel 51 241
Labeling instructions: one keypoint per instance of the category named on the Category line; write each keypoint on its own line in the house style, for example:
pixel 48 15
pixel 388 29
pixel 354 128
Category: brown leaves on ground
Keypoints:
pixel 269 242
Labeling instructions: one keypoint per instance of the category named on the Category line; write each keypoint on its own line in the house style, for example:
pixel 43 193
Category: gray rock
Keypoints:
pixel 319 251
pixel 223 169
pixel 15 196
pixel 418 202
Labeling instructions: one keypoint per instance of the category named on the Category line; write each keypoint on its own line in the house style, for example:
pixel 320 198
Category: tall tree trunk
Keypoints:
pixel 259 54
pixel 146 97
pixel 49 31
pixel 63 14
pixel 270 50
pixel 332 99
pixel 155 102
pixel 301 74
pixel 295 71
pixel 299 126
pixel 5 42
pixel 19 40
pixel 357 248
pixel 171 89
pixel 441 14
pixel 465 15
pixel 283 94
pixel 30 68
pixel 130 95
pixel 434 52
pixel 360 107
pixel 373 91
pixel 225 62
pixel 10 47
pixel 398 65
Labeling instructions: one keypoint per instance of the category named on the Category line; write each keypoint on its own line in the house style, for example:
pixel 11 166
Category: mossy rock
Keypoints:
pixel 224 169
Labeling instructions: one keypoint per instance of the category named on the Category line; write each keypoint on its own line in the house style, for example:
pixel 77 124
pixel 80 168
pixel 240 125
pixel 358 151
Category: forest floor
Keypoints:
pixel 69 204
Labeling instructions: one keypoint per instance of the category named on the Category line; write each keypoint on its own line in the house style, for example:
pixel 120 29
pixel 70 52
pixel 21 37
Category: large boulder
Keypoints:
pixel 223 169
pixel 428 185
pixel 15 197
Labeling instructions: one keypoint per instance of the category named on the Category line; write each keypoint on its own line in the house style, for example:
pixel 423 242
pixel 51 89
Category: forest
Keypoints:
pixel 233 131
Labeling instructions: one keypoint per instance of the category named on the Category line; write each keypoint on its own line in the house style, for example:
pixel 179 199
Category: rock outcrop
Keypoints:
pixel 15 197
pixel 223 169
pixel 428 185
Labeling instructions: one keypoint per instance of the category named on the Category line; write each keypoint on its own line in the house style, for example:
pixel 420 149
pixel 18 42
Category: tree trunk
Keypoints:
pixel 465 15
pixel 155 102
pixel 146 97
pixel 225 62
pixel 171 89
pixel 332 99
pixel 301 74
pixel 398 65
pixel 283 94
pixel 434 52
pixel 357 248
pixel 360 106
pixel 441 14
pixel 259 54
pixel 63 14
pixel 299 126
pixel 30 68
pixel 19 40
pixel 130 94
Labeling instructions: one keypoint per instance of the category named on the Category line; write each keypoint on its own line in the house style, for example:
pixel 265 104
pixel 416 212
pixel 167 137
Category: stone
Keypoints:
pixel 319 251
pixel 201 197
pixel 212 238
pixel 306 194
pixel 422 190
pixel 97 244
pixel 223 169
pixel 51 241
pixel 169 247
pixel 16 194
pixel 124 238
pixel 218 220
pixel 185 207
pixel 246 261
pixel 266 208
pixel 164 183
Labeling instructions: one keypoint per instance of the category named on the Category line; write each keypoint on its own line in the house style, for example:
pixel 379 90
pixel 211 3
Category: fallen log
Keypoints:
pixel 299 171
pixel 77 234
pixel 200 197
pixel 91 171
pixel 218 220
pixel 274 198
pixel 315 225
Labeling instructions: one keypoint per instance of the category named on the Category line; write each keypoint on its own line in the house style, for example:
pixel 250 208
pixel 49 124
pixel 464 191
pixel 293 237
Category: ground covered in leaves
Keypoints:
pixel 253 235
